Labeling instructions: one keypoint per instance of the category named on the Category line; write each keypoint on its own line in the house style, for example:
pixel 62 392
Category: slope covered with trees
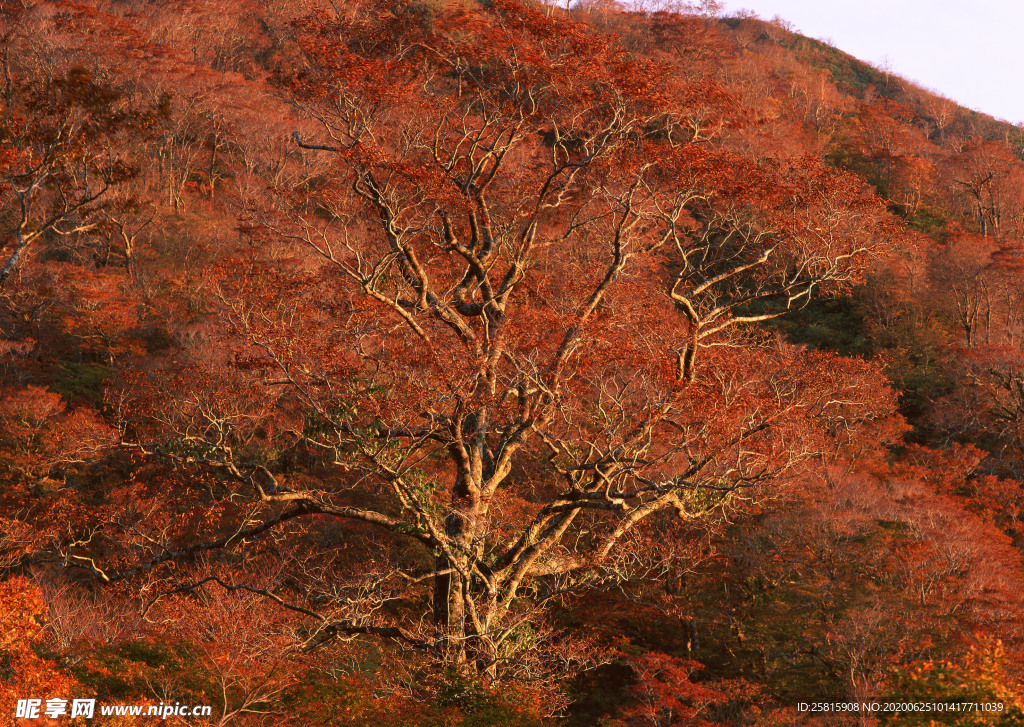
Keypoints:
pixel 482 364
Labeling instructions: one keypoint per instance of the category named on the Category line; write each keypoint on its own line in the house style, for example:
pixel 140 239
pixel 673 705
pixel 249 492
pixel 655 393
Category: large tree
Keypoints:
pixel 492 341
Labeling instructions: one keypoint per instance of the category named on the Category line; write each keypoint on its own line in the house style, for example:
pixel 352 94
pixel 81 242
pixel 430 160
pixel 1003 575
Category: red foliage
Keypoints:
pixel 26 675
pixel 38 433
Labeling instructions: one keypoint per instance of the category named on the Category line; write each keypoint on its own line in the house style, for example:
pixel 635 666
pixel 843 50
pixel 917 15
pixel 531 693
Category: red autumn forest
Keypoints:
pixel 501 363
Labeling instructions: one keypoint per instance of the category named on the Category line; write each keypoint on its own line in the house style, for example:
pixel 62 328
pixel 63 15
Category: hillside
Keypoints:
pixel 457 363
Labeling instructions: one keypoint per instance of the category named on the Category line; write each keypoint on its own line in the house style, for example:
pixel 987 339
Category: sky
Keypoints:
pixel 971 52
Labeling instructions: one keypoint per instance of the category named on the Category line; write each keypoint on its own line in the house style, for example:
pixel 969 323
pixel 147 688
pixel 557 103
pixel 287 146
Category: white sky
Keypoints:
pixel 969 50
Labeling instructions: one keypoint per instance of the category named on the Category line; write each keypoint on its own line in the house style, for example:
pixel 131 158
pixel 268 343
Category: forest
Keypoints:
pixel 493 363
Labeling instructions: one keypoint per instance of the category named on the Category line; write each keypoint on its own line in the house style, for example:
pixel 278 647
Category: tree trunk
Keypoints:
pixel 449 609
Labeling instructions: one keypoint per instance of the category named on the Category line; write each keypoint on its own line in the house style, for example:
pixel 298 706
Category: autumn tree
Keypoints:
pixel 664 694
pixel 965 285
pixel 986 177
pixel 56 161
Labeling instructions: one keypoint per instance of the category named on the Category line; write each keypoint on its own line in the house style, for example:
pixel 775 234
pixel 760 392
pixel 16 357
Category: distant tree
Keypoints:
pixel 987 177
pixel 964 285
pixel 56 163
